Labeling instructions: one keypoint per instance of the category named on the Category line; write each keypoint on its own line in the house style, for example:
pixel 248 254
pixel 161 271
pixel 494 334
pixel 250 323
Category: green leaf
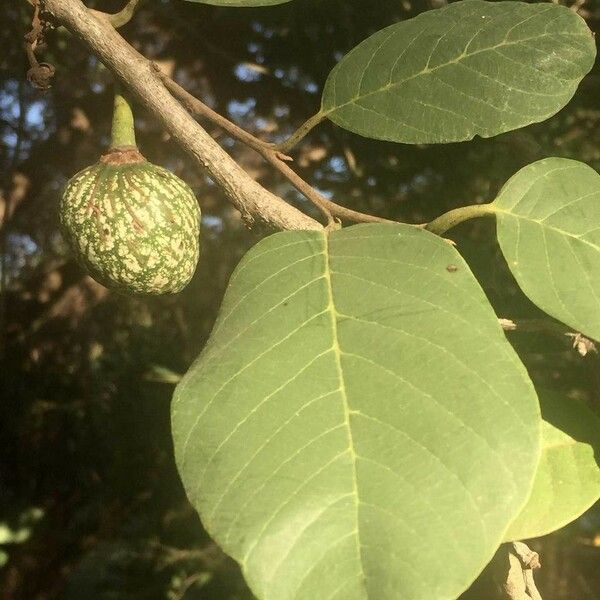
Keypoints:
pixel 357 425
pixel 471 68
pixel 241 3
pixel 567 482
pixel 549 230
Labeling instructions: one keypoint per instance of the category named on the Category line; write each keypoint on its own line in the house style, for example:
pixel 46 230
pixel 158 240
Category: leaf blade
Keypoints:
pixel 328 450
pixel 443 77
pixel 567 482
pixel 546 223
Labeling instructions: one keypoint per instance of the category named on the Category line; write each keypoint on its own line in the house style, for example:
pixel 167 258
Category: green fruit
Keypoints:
pixel 134 226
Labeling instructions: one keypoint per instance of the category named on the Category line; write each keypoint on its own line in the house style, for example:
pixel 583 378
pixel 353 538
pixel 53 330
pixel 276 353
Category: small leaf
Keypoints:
pixel 357 426
pixel 549 230
pixel 471 68
pixel 241 3
pixel 567 482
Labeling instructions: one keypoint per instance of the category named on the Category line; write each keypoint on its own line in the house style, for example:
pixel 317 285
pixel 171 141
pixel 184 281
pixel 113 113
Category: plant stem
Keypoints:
pixel 325 205
pixel 123 126
pixel 200 109
pixel 452 218
pixel 270 153
pixel 300 133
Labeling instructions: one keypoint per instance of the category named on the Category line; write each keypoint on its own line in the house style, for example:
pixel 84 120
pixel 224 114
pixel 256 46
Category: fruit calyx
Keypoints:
pixel 122 155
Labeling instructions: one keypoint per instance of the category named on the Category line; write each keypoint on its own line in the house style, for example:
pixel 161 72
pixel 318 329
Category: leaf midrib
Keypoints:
pixel 344 394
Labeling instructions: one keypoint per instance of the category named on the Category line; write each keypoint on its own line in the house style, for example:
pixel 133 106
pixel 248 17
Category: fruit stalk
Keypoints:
pixel 123 127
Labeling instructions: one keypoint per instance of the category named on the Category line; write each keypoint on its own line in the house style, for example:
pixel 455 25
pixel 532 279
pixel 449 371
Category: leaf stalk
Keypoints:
pixel 301 132
pixel 452 218
pixel 122 17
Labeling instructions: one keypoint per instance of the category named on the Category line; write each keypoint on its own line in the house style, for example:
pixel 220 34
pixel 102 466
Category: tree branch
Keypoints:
pixel 256 204
pixel 512 569
pixel 520 584
pixel 269 152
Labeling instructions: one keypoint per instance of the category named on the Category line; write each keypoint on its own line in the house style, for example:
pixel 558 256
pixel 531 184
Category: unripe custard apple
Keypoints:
pixel 134 226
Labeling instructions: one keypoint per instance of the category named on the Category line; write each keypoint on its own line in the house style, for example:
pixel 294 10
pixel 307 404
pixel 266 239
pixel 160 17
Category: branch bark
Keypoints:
pixel 256 204
pixel 512 570
pixel 520 584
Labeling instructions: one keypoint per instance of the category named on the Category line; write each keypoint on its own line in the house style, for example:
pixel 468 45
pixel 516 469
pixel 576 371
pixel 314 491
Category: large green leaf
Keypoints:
pixel 471 68
pixel 357 426
pixel 549 230
pixel 567 482
pixel 241 3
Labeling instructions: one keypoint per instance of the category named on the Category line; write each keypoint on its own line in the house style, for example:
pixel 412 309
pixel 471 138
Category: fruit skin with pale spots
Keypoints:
pixel 134 226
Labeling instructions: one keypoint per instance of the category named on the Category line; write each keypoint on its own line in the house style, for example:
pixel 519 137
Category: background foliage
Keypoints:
pixel 90 503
